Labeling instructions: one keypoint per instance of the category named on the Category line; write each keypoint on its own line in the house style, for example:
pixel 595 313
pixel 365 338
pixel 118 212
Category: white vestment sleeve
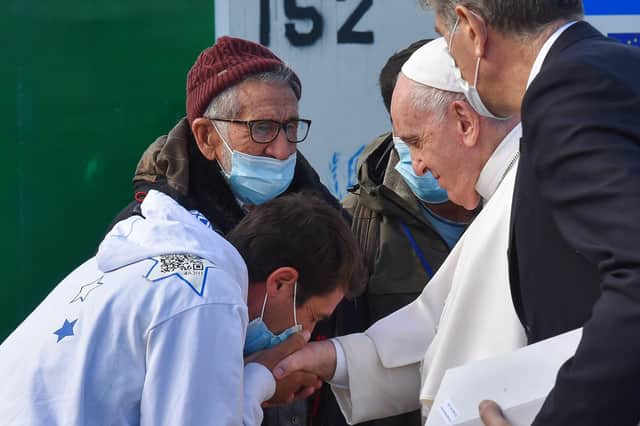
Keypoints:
pixel 195 368
pixel 383 363
pixel 341 375
pixel 374 391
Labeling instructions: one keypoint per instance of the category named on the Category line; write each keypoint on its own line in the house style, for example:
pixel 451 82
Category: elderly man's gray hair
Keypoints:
pixel 512 17
pixel 226 104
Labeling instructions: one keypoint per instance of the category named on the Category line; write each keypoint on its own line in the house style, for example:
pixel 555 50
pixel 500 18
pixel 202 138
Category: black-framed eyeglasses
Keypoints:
pixel 266 131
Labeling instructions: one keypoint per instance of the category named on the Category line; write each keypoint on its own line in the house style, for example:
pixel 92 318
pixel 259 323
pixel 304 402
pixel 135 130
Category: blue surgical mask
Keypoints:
pixel 471 92
pixel 259 337
pixel 255 179
pixel 424 187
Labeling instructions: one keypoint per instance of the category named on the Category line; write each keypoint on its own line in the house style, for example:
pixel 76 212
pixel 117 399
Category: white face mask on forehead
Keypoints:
pixel 471 92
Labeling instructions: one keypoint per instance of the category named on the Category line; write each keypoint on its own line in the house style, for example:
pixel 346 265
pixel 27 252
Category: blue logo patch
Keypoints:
pixel 630 39
pixel 611 7
pixel 201 218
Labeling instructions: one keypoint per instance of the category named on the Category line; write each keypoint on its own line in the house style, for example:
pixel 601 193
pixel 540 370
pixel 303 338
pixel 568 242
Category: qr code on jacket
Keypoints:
pixel 186 263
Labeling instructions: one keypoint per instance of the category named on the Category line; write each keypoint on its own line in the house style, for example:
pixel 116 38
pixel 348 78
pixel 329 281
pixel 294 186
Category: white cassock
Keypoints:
pixel 464 314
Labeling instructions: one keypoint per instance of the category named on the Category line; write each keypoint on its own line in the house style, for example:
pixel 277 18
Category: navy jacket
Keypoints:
pixel 575 246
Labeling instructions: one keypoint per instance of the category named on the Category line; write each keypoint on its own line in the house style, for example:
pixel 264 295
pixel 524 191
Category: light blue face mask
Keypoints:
pixel 255 179
pixel 424 187
pixel 259 337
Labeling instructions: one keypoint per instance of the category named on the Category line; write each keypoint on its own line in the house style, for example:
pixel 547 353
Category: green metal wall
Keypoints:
pixel 85 86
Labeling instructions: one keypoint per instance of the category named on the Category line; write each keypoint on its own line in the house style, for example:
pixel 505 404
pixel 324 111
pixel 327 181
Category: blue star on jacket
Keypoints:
pixel 66 329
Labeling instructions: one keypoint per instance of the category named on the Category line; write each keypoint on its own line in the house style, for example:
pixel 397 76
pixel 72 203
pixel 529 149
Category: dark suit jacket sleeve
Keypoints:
pixel 582 127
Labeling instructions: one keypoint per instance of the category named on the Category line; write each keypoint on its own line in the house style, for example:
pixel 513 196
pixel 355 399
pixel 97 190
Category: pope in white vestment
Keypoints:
pixel 464 314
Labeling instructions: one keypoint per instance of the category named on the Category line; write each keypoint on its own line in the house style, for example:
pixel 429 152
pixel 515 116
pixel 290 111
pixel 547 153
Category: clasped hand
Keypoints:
pixel 299 384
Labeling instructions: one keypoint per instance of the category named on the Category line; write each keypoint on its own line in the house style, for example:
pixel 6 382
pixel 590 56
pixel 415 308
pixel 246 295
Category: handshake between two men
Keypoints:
pixel 298 367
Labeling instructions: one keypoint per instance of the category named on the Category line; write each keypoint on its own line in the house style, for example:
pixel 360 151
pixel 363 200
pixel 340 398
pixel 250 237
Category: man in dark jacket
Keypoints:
pixel 235 149
pixel 573 257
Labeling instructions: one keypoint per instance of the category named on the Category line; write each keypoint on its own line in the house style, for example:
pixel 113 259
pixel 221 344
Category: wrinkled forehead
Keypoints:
pixel 251 89
pixel 406 120
pixel 266 99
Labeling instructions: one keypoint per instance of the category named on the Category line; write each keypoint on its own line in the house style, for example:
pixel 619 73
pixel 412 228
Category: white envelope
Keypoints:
pixel 518 381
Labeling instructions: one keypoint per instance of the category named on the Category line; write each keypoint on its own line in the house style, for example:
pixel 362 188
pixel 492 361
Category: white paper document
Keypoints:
pixel 518 381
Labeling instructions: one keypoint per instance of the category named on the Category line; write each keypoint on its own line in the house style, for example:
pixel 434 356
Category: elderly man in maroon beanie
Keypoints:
pixel 236 148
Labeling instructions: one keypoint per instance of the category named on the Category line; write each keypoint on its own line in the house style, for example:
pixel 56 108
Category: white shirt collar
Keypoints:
pixel 499 163
pixel 546 47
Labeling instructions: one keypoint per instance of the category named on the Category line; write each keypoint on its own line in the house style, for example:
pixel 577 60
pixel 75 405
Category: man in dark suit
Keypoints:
pixel 575 245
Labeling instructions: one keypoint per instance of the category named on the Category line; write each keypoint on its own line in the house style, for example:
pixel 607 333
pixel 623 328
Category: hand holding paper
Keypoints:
pixel 491 414
pixel 520 381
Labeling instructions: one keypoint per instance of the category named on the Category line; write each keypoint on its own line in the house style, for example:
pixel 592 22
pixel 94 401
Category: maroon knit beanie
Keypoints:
pixel 224 64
